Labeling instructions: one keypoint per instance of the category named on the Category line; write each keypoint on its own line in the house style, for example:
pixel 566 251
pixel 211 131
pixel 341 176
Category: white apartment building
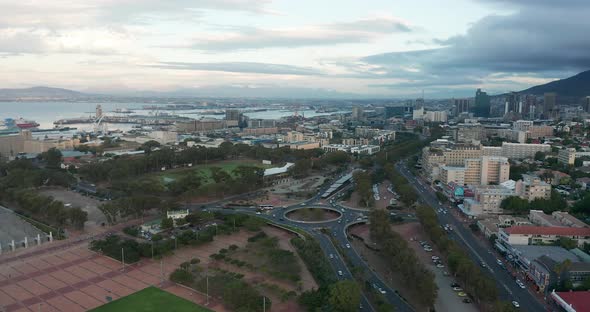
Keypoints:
pixel 436 116
pixel 450 174
pixel 486 200
pixel 532 187
pixel 567 156
pixel 521 151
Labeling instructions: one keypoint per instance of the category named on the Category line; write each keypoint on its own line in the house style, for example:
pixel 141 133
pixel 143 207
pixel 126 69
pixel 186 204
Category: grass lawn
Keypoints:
pixel 151 299
pixel 205 170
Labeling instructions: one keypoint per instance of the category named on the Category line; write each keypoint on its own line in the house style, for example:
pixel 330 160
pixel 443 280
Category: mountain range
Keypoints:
pixel 40 93
pixel 573 88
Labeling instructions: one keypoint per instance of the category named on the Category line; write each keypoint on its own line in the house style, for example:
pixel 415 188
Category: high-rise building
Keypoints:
pixel 513 104
pixel 233 117
pixel 482 104
pixel 567 156
pixel 461 106
pixel 358 113
pixel 549 106
pixel 586 104
pixel 529 106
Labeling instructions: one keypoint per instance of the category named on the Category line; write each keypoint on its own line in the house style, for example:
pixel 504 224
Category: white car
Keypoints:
pixel 516 304
pixel 440 266
pixel 340 273
pixel 520 284
pixel 382 291
pixel 435 258
pixel 347 245
pixel 331 256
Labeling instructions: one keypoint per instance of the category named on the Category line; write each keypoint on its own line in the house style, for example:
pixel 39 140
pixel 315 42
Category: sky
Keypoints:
pixel 369 48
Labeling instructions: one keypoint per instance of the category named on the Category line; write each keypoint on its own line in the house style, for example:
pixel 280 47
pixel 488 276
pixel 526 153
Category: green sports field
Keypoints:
pixel 151 299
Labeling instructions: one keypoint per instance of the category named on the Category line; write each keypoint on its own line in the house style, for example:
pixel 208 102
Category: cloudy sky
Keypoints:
pixel 370 48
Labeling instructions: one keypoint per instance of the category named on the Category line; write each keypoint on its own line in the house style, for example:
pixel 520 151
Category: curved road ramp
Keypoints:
pixel 14 229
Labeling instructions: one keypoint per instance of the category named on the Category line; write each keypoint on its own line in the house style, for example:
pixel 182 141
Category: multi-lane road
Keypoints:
pixel 508 289
pixel 348 216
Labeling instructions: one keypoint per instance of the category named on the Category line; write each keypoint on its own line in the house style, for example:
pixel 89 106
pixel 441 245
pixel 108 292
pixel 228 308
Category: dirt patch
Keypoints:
pixel 313 215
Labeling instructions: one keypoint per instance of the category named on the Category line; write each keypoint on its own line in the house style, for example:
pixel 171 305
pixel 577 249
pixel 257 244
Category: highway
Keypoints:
pixel 349 216
pixel 507 288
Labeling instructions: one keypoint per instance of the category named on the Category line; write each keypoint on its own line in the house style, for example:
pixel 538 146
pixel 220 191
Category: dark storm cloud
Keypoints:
pixel 540 39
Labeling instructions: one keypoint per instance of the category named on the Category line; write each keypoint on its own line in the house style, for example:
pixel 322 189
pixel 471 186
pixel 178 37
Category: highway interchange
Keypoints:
pixel 508 289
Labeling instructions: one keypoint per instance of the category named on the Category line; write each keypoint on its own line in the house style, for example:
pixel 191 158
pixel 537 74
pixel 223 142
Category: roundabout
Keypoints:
pixel 313 214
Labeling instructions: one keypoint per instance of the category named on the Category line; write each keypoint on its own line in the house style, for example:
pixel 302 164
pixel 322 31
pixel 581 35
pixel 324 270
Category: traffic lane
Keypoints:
pixel 508 288
pixel 337 263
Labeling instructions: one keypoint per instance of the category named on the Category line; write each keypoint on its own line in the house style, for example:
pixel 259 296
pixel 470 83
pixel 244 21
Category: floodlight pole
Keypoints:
pixel 123 257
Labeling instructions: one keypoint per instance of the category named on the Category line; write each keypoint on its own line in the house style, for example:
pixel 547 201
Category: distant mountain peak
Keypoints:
pixel 39 92
pixel 574 86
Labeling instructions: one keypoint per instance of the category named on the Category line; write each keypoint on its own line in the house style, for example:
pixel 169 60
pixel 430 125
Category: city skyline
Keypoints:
pixel 374 49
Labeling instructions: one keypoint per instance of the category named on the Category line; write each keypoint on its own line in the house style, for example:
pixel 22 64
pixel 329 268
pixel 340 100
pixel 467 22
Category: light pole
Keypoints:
pixel 123 258
pixel 152 250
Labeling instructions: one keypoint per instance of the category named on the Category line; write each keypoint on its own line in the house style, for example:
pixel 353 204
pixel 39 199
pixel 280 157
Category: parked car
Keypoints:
pixel 340 273
pixel 457 289
pixel 461 294
pixel 466 300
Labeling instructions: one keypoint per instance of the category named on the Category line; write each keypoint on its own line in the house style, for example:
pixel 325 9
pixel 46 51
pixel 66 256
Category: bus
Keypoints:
pixel 265 207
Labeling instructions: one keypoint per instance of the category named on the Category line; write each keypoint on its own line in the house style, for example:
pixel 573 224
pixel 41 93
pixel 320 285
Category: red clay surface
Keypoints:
pixel 68 277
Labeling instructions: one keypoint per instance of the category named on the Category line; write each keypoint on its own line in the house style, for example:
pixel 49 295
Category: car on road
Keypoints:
pixel 455 285
pixel 340 273
pixel 435 258
pixel 461 294
pixel 466 300
pixel 347 245
pixel 258 212
pixel 440 266
pixel 457 289
pixel 499 262
pixel 516 304
pixel 520 284
pixel 382 291
pixel 331 256
pixel 483 264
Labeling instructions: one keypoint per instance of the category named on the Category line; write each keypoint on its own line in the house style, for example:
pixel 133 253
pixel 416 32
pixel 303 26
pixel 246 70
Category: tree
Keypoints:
pixel 567 243
pixel 539 156
pixel 77 217
pixel 345 296
pixel 515 204
pixel 52 158
pixel 167 223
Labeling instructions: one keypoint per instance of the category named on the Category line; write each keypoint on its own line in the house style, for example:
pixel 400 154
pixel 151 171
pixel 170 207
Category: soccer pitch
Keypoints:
pixel 151 299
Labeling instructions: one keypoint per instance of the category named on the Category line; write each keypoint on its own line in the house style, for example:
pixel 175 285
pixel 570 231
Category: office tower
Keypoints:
pixel 461 106
pixel 549 107
pixel 586 104
pixel 357 113
pixel 482 104
pixel 512 103
pixel 233 117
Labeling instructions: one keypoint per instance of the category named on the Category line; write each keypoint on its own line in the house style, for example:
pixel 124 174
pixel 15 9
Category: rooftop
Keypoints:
pixel 579 301
pixel 278 170
pixel 547 230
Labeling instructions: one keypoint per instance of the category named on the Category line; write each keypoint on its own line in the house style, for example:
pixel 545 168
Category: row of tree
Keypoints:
pixel 41 207
pixel 523 206
pixel 364 188
pixel 401 185
pixel 401 258
pixel 473 280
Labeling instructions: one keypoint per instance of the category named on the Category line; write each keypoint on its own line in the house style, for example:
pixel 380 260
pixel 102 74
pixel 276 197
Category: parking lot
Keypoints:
pixel 12 227
pixel 74 199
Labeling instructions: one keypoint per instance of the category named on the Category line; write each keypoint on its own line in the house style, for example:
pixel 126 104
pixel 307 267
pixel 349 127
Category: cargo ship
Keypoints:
pixel 26 124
